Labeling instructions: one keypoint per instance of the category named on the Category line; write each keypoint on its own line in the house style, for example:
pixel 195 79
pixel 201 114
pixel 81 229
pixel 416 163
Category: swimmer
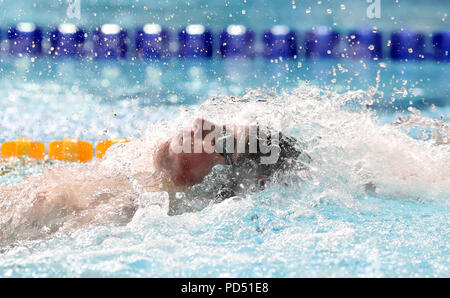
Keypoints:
pixel 249 151
pixel 66 198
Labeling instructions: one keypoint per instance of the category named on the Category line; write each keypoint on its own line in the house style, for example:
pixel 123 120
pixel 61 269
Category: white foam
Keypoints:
pixel 110 29
pixel 280 30
pixel 67 28
pixel 352 153
pixel 26 27
pixel 152 29
pixel 236 29
pixel 195 29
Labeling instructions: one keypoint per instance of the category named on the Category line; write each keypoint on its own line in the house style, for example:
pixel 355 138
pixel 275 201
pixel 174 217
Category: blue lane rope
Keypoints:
pixel 152 41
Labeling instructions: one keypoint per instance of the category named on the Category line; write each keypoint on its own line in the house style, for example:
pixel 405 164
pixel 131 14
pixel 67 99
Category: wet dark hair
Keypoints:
pixel 249 164
pixel 288 151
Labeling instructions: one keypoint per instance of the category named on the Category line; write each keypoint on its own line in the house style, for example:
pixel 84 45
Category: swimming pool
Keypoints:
pixel 327 225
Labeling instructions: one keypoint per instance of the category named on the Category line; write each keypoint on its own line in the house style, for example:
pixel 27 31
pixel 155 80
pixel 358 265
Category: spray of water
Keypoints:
pixel 352 155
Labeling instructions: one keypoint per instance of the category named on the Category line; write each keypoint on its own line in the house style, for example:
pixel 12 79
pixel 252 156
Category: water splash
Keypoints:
pixel 365 179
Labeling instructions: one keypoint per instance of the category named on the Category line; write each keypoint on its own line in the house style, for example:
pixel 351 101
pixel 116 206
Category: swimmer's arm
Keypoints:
pixel 119 210
pixel 62 189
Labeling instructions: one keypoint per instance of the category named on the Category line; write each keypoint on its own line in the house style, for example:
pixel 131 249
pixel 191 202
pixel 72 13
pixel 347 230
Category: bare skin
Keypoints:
pixel 62 200
pixel 187 169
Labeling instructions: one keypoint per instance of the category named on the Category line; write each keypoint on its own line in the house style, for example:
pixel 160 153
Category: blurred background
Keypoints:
pixel 415 14
pixel 118 97
pixel 329 227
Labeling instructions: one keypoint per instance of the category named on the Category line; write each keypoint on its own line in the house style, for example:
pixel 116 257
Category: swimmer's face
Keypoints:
pixel 188 156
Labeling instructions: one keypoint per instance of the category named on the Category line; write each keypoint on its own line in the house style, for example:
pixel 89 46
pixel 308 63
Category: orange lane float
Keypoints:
pixel 102 146
pixel 23 147
pixel 443 141
pixel 70 149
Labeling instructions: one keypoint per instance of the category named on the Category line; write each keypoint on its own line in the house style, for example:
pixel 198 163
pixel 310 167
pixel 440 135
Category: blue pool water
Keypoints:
pixel 326 224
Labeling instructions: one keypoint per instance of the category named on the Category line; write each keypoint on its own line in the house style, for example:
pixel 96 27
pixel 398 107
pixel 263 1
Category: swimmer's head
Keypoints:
pixel 189 156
